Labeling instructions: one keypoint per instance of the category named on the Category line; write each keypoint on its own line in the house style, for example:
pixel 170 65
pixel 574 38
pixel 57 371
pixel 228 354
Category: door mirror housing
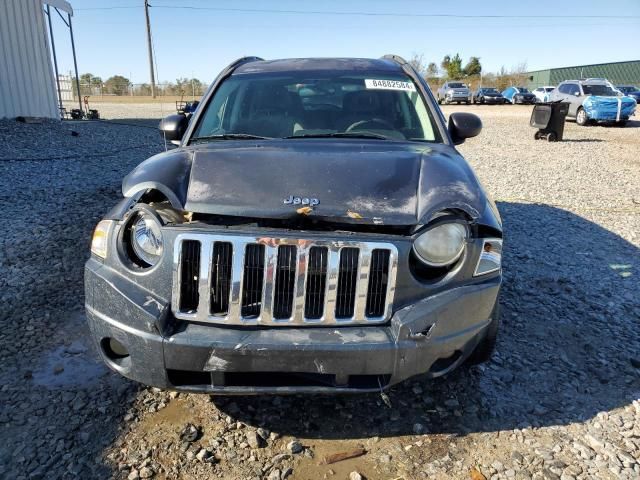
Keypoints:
pixel 463 125
pixel 577 94
pixel 172 127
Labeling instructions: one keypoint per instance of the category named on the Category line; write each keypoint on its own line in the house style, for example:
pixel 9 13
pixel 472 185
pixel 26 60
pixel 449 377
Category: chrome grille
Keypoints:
pixel 241 280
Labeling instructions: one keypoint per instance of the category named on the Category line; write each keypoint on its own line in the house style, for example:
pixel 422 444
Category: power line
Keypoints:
pixel 355 13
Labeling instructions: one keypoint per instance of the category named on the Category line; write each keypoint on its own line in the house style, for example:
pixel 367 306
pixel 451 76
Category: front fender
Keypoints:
pixel 167 172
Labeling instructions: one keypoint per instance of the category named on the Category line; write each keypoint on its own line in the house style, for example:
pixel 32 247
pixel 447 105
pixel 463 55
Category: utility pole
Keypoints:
pixel 153 79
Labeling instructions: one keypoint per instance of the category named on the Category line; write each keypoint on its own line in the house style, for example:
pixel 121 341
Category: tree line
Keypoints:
pixel 119 85
pixel 452 68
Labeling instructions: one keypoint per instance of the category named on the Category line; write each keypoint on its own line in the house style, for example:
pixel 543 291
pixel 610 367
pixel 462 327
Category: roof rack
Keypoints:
pixel 396 58
pixel 244 60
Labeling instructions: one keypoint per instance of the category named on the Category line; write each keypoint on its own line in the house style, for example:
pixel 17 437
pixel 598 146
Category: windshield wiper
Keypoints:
pixel 230 136
pixel 341 135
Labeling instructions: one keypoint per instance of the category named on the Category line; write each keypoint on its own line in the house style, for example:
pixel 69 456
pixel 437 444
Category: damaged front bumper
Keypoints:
pixel 431 336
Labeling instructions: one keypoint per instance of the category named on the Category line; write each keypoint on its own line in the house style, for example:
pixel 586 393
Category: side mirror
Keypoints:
pixel 463 125
pixel 172 127
pixel 577 94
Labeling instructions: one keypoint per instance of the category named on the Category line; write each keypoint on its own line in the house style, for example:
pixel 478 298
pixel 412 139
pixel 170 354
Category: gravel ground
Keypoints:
pixel 559 400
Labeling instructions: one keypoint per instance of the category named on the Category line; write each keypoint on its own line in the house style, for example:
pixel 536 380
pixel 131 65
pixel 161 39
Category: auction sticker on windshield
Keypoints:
pixel 389 85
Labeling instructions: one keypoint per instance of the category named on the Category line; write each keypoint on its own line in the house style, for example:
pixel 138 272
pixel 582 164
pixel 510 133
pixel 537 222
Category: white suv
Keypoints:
pixel 543 93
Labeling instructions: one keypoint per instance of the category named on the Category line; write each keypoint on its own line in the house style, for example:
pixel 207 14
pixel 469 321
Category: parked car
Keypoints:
pixel 487 95
pixel 456 92
pixel 276 217
pixel 542 93
pixel 518 95
pixel 594 100
pixel 629 91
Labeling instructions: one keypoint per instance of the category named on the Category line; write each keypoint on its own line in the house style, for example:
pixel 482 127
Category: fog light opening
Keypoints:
pixel 115 352
pixel 444 365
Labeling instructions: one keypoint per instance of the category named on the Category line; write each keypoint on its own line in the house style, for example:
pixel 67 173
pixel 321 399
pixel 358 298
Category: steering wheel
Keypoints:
pixel 370 124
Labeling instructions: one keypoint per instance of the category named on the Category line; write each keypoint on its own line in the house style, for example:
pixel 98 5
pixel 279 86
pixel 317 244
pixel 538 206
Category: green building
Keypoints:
pixel 618 73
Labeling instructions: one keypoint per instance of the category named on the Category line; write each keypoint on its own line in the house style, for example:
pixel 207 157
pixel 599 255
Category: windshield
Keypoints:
pixel 457 85
pixel 627 89
pixel 305 104
pixel 601 90
pixel 523 90
pixel 489 90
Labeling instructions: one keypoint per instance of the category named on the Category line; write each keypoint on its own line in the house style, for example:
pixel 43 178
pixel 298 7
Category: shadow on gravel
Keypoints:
pixel 570 330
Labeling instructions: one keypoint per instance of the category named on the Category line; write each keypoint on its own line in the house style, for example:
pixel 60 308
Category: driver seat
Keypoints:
pixel 357 106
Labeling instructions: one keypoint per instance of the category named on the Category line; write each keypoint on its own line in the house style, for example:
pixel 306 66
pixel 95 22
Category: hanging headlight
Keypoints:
pixel 441 245
pixel 490 258
pixel 146 238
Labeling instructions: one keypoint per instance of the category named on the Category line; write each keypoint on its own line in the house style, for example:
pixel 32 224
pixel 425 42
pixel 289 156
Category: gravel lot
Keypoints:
pixel 559 400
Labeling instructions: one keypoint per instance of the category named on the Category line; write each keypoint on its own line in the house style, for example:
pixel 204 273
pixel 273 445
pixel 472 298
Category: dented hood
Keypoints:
pixel 376 182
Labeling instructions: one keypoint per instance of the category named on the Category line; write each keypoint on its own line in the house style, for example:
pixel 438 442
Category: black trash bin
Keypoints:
pixel 549 119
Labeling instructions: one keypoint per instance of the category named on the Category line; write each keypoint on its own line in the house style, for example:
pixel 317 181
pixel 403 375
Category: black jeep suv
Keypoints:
pixel 315 231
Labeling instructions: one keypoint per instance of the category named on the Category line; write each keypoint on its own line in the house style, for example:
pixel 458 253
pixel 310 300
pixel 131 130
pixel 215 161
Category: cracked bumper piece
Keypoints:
pixel 431 336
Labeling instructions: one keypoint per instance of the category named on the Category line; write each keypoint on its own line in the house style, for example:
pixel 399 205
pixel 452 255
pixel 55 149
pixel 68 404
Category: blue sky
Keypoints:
pixel 199 43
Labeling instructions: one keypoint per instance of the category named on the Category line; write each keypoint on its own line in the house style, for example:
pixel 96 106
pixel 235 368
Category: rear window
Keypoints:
pixel 600 90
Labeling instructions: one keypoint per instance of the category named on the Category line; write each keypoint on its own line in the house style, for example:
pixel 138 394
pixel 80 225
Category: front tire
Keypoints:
pixel 581 117
pixel 487 346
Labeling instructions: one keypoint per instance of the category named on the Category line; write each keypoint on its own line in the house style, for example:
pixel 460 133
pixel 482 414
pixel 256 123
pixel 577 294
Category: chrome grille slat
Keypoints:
pixel 315 282
pixel 237 275
pixel 300 284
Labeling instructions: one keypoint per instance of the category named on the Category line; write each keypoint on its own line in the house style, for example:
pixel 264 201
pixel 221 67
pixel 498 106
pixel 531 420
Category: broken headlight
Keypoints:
pixel 145 238
pixel 442 244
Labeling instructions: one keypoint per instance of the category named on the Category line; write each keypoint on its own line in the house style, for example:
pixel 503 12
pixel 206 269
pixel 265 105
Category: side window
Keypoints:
pixel 573 89
pixel 563 88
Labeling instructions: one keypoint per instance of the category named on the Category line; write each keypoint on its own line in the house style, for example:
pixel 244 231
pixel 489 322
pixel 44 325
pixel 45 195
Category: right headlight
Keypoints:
pixel 490 258
pixel 441 245
pixel 145 238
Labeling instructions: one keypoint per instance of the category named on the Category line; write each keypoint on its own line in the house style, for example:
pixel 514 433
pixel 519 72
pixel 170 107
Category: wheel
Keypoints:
pixel 581 117
pixel 486 347
pixel 473 100
pixel 439 101
pixel 467 102
pixel 537 135
pixel 482 100
pixel 551 137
